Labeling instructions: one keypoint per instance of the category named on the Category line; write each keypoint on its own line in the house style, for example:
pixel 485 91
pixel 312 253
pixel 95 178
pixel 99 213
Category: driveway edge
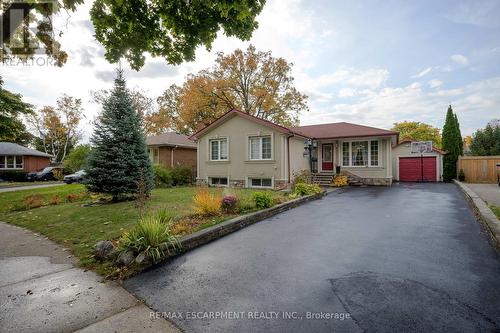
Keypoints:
pixel 207 235
pixel 484 215
pixel 217 231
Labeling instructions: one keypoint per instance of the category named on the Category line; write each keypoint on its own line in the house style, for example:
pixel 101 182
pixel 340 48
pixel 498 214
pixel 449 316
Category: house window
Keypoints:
pixel 217 181
pixel 261 182
pixel 154 155
pixel 260 147
pixel 360 153
pixel 218 149
pixel 374 153
pixel 11 162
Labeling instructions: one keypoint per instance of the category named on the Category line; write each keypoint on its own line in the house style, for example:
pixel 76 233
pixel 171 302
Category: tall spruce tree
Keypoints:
pixel 451 143
pixel 119 161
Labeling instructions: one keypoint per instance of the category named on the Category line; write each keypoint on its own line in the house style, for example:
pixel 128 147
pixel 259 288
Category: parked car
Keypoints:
pixel 76 177
pixel 46 173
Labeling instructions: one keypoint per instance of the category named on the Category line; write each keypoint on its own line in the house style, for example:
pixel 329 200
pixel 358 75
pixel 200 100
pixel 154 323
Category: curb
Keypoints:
pixel 217 231
pixel 483 214
pixel 205 236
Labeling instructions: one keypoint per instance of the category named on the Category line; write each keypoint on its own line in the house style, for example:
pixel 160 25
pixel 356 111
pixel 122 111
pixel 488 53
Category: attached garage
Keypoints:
pixel 412 167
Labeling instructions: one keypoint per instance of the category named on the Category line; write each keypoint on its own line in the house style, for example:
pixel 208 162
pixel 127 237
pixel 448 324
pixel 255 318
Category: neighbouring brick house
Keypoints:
pixel 14 157
pixel 172 149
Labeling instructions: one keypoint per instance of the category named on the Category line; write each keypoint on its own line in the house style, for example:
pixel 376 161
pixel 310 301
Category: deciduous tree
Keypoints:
pixel 77 158
pixel 415 130
pixel 12 109
pixel 486 141
pixel 251 81
pixel 171 29
pixel 57 127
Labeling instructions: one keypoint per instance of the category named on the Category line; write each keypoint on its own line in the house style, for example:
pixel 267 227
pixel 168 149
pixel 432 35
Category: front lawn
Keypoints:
pixel 78 227
pixel 496 210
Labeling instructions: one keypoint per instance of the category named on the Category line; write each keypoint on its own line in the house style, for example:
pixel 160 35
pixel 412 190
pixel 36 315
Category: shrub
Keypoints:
pixel 262 199
pixel 302 176
pixel 33 201
pixel 13 175
pixel 181 228
pixel 339 181
pixel 151 236
pixel 302 189
pixel 182 176
pixel 58 174
pixel 162 176
pixel 55 200
pixel 71 197
pixel 207 203
pixel 230 203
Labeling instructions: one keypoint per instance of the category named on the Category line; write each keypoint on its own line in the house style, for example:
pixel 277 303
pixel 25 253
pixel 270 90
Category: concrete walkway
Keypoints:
pixel 42 291
pixel 488 192
pixel 28 187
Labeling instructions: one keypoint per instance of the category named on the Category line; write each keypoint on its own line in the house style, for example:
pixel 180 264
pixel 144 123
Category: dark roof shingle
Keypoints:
pixel 340 130
pixel 9 148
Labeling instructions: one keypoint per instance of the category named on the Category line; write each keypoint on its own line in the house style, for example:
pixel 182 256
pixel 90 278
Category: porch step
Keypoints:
pixel 322 179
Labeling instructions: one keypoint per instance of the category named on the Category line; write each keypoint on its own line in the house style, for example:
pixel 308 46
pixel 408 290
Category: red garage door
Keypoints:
pixel 410 169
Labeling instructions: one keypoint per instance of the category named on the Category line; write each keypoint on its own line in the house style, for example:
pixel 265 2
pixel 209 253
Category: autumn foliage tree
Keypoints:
pixel 251 81
pixel 415 130
pixel 57 127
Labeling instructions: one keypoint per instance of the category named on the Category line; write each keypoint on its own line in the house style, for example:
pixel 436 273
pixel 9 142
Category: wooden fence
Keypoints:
pixel 479 169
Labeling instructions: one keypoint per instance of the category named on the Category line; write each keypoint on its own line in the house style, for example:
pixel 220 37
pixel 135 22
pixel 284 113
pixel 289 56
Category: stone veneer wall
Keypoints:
pixel 377 181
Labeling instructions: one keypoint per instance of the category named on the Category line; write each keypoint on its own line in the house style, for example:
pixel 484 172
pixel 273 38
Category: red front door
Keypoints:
pixel 411 169
pixel 327 157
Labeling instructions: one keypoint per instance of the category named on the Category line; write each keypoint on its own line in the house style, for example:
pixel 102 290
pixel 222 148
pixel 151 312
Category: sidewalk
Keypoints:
pixel 488 192
pixel 42 291
pixel 27 187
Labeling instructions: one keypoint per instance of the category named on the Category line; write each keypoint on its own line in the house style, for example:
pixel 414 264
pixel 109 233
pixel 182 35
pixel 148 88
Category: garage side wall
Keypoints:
pixel 404 150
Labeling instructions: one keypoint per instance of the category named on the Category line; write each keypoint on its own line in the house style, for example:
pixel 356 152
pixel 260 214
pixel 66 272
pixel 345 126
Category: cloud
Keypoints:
pixel 422 73
pixel 482 13
pixel 435 83
pixel 371 78
pixel 459 59
pixel 475 104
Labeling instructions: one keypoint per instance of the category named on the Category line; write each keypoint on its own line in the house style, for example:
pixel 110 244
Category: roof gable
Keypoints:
pixel 232 113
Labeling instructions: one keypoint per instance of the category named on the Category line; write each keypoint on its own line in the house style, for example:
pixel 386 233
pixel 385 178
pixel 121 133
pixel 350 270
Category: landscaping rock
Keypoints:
pixel 143 259
pixel 125 258
pixel 104 250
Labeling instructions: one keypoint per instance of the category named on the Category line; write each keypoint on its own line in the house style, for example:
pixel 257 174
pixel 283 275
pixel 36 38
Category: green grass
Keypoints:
pixel 80 227
pixel 496 210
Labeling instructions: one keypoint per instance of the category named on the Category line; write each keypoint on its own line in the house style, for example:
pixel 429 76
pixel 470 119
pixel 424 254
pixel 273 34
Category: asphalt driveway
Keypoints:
pixel 406 258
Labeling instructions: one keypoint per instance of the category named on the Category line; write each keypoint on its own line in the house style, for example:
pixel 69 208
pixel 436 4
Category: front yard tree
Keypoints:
pixel 171 29
pixel 452 143
pixel 415 130
pixel 251 81
pixel 119 161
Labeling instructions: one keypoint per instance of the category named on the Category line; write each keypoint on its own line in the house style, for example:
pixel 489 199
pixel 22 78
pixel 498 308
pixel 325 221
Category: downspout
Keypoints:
pixel 288 157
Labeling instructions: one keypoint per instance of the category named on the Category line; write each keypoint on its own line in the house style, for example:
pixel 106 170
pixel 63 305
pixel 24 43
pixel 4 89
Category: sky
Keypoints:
pixel 362 61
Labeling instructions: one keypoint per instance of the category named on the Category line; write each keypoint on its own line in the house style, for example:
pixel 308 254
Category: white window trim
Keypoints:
pixel 249 182
pixel 249 148
pixel 15 163
pixel 217 138
pixel 369 153
pixel 152 154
